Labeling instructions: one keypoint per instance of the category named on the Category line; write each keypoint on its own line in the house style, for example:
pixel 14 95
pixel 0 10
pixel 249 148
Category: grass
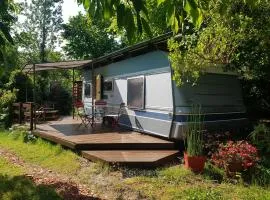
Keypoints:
pixel 179 183
pixel 166 183
pixel 14 185
pixel 40 152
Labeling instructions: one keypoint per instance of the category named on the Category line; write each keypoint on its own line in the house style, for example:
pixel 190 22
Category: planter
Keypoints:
pixel 235 167
pixel 232 169
pixel 195 163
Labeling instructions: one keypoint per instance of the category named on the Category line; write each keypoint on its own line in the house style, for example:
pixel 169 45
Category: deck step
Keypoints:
pixel 138 158
pixel 109 141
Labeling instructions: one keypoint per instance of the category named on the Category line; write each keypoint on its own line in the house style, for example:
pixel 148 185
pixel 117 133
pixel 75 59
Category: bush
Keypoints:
pixel 261 138
pixel 240 152
pixel 259 175
pixel 7 97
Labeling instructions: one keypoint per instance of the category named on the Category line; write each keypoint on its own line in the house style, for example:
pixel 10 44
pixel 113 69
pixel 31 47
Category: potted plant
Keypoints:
pixel 193 156
pixel 235 157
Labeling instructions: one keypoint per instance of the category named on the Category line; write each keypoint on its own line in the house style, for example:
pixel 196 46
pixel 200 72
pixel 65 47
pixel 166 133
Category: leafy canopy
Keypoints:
pixel 87 38
pixel 133 15
pixel 7 18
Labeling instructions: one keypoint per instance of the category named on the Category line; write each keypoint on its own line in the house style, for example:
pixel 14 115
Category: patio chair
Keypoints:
pixel 113 118
pixel 38 112
pixel 85 118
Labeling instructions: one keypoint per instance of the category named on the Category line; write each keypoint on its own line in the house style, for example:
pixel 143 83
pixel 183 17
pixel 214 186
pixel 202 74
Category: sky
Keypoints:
pixel 70 8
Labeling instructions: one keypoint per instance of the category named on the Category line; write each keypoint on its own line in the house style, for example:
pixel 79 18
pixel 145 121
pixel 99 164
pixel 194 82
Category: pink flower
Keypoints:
pixel 240 152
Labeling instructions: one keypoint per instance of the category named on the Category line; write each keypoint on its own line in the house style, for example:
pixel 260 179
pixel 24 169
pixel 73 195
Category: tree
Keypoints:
pixel 233 37
pixel 43 19
pixel 7 18
pixel 87 38
pixel 132 15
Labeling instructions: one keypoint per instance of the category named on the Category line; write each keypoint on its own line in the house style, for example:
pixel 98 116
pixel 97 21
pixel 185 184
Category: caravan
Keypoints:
pixel 141 77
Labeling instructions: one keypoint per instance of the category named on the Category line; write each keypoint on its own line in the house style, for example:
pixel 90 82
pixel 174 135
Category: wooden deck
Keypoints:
pixel 106 144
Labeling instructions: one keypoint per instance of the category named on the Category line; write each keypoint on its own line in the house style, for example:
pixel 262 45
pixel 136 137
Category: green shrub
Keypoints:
pixel 7 97
pixel 261 138
pixel 259 175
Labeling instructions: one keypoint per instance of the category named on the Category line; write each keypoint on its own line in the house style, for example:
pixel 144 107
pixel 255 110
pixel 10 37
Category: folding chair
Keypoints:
pixel 85 118
pixel 80 111
pixel 113 118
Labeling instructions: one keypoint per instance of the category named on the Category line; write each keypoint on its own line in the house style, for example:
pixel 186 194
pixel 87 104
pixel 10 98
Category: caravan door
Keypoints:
pixel 150 103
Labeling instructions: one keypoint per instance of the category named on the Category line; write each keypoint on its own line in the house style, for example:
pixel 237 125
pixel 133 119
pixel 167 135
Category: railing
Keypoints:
pixel 23 112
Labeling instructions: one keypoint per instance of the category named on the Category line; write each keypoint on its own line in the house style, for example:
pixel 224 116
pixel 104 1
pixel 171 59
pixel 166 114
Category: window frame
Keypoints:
pixel 108 80
pixel 143 94
pixel 84 89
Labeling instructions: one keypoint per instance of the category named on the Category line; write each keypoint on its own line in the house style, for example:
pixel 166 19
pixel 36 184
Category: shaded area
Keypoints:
pixel 67 190
pixel 66 126
pixel 20 187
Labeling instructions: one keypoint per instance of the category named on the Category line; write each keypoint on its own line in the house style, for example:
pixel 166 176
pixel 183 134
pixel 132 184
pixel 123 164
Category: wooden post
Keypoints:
pixel 73 108
pixel 31 117
pixel 20 113
pixel 34 97
pixel 93 95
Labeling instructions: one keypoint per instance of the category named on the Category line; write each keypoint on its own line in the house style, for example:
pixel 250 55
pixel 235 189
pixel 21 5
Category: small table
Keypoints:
pixel 51 114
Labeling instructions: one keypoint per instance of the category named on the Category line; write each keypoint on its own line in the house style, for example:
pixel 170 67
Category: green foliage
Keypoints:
pixel 260 136
pixel 194 133
pixel 184 70
pixel 7 97
pixel 88 38
pixel 234 36
pixel 7 10
pixel 61 96
pixel 179 11
pixel 260 175
pixel 131 15
pixel 19 81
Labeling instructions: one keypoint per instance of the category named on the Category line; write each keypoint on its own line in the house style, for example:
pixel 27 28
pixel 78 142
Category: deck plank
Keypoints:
pixel 132 157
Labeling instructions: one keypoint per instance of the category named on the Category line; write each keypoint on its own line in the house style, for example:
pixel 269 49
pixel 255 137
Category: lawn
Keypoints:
pixel 14 185
pixel 176 182
pixel 40 152
pixel 171 182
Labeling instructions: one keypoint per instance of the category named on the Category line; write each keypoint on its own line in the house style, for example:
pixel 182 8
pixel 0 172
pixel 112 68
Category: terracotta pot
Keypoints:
pixel 195 163
pixel 235 167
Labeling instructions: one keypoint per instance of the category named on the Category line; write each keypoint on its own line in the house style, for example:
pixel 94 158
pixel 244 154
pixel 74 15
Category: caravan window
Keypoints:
pixel 108 86
pixel 135 93
pixel 87 90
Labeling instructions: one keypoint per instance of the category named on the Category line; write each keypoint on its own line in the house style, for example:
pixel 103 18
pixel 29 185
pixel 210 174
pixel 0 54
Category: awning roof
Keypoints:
pixel 159 42
pixel 57 65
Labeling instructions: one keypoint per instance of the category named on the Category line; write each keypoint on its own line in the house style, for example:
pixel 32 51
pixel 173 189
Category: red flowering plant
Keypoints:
pixel 236 156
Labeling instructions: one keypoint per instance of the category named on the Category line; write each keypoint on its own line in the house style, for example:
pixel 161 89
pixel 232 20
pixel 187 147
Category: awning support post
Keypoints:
pixel 34 96
pixel 93 95
pixel 73 100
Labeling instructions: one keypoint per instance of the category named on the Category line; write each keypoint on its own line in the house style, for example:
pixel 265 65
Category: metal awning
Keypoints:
pixel 56 65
